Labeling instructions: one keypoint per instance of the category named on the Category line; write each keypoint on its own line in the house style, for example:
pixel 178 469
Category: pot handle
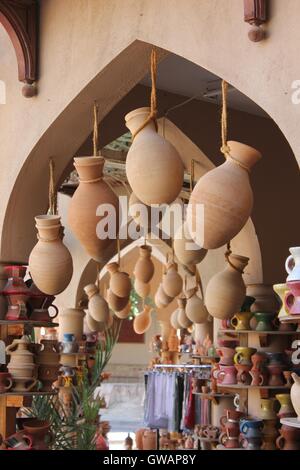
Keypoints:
pixel 236 358
pixel 28 440
pixel 244 428
pixel 223 438
pixel 12 346
pixel 234 321
pixel 219 374
pixel 56 311
pixel 223 420
pixel 289 300
pixel 33 384
pixel 289 264
pixel 244 377
pixel 10 383
pixel 243 441
pixel 280 441
pixel 261 379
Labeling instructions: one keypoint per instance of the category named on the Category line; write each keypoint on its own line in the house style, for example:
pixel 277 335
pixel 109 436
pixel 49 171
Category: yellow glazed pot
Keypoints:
pixel 267 407
pixel 281 290
pixel 241 320
pixel 243 355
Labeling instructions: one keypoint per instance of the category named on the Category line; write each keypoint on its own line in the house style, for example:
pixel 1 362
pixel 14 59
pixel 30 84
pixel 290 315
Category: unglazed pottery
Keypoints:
pixel 116 303
pixel 258 377
pixel 289 438
pixel 21 364
pixel 144 268
pixel 174 320
pixel 286 407
pixel 142 289
pixel 98 307
pixel 186 250
pixel 265 299
pixel 6 382
pixel 153 166
pixel 282 291
pixel 267 408
pixel 94 325
pixel 122 314
pixel 149 440
pixel 139 438
pixel 226 196
pixel 83 216
pixel 71 321
pixel 292 298
pixel 196 310
pixel 225 292
pixel 37 430
pixel 270 434
pixel 50 262
pixel 243 355
pixel 292 264
pixel 275 375
pixel 243 374
pixel 119 284
pixel 258 360
pixel 295 394
pixel 161 299
pixel 172 282
pixel 182 317
pixel 241 320
pixel 142 321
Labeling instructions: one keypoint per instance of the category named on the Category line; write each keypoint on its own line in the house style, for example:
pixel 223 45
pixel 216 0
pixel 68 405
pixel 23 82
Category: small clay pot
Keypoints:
pixel 119 284
pixel 144 268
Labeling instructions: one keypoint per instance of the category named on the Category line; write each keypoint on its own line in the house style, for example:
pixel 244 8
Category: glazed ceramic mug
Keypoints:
pixel 5 382
pixel 243 355
pixel 251 428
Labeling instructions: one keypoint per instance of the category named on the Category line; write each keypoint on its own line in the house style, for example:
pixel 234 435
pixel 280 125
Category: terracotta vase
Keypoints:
pixel 195 309
pixel 50 262
pixel 144 268
pixel 142 289
pixel 258 360
pixel 289 438
pixel 275 375
pixel 37 431
pixel 123 314
pixel 225 292
pixel 172 282
pixel 226 355
pixel 149 440
pixel 267 408
pixel 98 307
pixel 119 284
pixel 243 374
pixel 226 195
pixel 265 299
pixel 174 320
pixel 295 394
pixel 292 265
pixel 292 298
pixel 161 299
pixel 270 434
pixel 139 438
pixel 153 166
pixel 71 321
pixel 186 250
pixel 142 321
pixel 6 382
pixel 286 407
pixel 117 304
pixel 93 325
pixel 182 317
pixel 258 377
pixel 91 193
pixel 21 364
pixel 281 290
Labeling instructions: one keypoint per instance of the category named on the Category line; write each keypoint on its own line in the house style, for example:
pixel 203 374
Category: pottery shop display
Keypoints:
pixel 292 264
pixel 195 309
pixel 16 292
pixel 41 305
pixel 84 218
pixel 243 355
pixel 153 166
pixel 182 317
pixel 119 284
pixel 281 290
pixel 225 292
pixel 226 355
pixel 97 306
pixel 265 299
pixel 172 282
pixel 230 428
pixel 243 374
pixel 50 262
pixel 142 321
pixel 286 407
pixel 265 321
pixel 186 250
pixel 48 362
pixel 226 196
pixel 142 289
pixel 292 298
pixel 144 267
pixel 116 303
pixel 6 382
pixel 38 430
pixel 21 365
pixel 149 440
pixel 289 438
pixel 226 375
pixel 161 299
pixel 268 409
pixel 295 394
pixel 71 321
pixel 241 321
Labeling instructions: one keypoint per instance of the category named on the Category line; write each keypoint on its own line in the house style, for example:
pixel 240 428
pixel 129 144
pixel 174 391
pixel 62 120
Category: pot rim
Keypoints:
pixel 136 112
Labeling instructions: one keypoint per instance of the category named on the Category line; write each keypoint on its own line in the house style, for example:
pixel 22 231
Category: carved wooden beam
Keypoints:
pixel 20 20
pixel 256 14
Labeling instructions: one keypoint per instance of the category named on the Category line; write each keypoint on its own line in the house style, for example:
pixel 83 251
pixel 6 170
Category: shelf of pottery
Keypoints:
pixel 29 367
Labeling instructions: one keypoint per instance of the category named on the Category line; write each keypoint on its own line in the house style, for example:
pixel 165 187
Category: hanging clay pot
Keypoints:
pixel 186 250
pixel 195 309
pixel 71 321
pixel 125 312
pixel 182 319
pixel 153 166
pixel 91 193
pixel 225 292
pixel 140 213
pixel 226 196
pixel 174 320
pixel 142 289
pixel 120 283
pixel 116 303
pixel 172 282
pixel 98 307
pixel 142 321
pixel 265 298
pixel 144 268
pixel 50 262
pixel 94 325
pixel 295 394
pixel 161 299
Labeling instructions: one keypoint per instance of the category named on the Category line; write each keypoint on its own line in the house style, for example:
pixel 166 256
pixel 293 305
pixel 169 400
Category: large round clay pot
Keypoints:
pixel 186 250
pixel 172 282
pixel 226 196
pixel 295 394
pixel 116 303
pixel 161 299
pixel 142 289
pixel 153 166
pixel 182 318
pixel 144 268
pixel 119 283
pixel 265 299
pixel 91 193
pixel 98 307
pixel 142 321
pixel 195 309
pixel 71 321
pixel 122 314
pixel 225 292
pixel 50 262
pixel 149 440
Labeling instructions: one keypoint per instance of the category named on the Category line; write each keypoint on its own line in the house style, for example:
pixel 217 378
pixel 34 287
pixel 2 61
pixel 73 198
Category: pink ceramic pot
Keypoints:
pixel 292 298
pixel 243 374
pixel 226 356
pixel 226 375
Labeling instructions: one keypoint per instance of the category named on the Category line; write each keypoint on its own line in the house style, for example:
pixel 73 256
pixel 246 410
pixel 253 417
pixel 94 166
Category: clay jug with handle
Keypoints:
pixel 227 198
pixel 84 217
pixel 153 166
pixel 50 262
pixel 225 292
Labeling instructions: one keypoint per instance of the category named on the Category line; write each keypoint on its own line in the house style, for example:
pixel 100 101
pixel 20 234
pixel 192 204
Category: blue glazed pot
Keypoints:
pixel 68 337
pixel 251 428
